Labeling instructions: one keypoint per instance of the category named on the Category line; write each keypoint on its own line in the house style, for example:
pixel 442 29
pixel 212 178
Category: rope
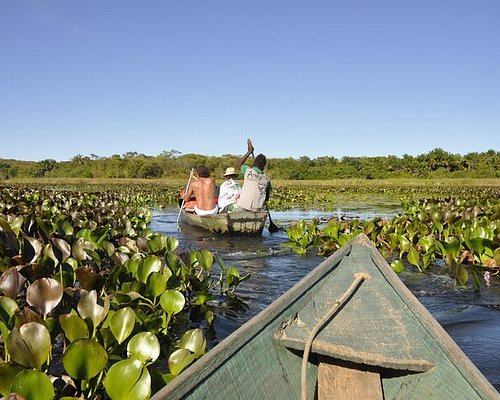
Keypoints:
pixel 359 278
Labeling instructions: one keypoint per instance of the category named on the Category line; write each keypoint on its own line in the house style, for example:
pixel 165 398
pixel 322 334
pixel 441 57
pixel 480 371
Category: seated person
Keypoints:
pixel 229 191
pixel 203 188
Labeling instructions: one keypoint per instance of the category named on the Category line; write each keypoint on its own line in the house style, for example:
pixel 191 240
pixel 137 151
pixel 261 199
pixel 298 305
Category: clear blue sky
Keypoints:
pixel 315 78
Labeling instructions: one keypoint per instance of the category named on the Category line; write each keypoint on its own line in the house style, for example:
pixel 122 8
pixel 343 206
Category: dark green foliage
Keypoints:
pixel 173 164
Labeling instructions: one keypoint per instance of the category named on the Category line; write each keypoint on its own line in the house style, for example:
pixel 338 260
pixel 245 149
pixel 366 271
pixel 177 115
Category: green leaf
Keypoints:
pixel 122 324
pixel 84 359
pixel 8 308
pixel 413 257
pixel 179 360
pixel 205 258
pixel 29 345
pixel 194 341
pixel 7 374
pixel 144 347
pixel 128 380
pixel 397 266
pixel 88 308
pixel 172 243
pixel 74 327
pixel 172 301
pixel 148 265
pixel 33 385
pixel 156 283
pixel 462 275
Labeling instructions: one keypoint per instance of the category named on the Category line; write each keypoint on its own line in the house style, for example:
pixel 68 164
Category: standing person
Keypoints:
pixel 256 184
pixel 203 188
pixel 229 191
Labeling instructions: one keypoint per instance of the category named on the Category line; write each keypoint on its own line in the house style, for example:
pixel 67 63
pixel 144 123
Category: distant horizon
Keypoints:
pixel 237 155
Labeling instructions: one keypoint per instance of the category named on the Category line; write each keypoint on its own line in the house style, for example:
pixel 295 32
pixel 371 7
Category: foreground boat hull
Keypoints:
pixel 238 222
pixel 381 331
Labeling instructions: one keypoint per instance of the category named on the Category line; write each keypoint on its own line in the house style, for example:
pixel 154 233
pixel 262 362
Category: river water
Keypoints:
pixel 471 318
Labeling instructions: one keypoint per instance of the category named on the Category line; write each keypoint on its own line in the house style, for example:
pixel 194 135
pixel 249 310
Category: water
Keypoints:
pixel 471 318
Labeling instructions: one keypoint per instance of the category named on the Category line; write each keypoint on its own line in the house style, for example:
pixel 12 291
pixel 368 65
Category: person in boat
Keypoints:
pixel 256 184
pixel 203 187
pixel 229 191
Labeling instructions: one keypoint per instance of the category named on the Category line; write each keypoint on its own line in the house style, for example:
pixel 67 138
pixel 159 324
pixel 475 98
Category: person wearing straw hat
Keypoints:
pixel 229 191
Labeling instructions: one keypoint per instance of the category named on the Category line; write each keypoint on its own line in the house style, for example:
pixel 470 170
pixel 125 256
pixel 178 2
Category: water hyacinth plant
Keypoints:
pixel 461 232
pixel 93 304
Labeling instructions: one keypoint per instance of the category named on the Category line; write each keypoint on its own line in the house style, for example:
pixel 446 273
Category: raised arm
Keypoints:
pixel 250 150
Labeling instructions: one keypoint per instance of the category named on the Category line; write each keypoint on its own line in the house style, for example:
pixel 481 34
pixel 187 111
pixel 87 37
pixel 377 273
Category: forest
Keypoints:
pixel 172 164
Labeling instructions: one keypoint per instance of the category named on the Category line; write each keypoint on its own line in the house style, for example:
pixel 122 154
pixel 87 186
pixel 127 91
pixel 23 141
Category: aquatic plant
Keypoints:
pixel 460 231
pixel 90 294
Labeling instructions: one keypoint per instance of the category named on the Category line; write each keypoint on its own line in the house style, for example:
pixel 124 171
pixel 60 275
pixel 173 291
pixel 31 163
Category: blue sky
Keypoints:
pixel 314 78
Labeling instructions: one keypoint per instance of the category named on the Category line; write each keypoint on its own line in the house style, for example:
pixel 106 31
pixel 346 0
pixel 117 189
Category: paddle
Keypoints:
pixel 183 201
pixel 272 226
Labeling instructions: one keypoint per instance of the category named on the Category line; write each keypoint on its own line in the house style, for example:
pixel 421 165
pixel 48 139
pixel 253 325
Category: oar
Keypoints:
pixel 183 201
pixel 272 226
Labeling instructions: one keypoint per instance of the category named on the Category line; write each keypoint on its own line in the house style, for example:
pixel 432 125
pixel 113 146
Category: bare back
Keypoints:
pixel 204 191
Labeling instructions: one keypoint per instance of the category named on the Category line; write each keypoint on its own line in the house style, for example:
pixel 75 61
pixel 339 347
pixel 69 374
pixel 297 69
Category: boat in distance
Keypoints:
pixel 351 330
pixel 240 222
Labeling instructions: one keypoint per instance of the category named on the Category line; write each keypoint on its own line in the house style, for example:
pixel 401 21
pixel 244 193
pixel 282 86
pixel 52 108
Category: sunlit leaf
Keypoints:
pixel 194 341
pixel 89 308
pixel 148 265
pixel 179 360
pixel 44 294
pixel 157 283
pixel 33 385
pixel 397 266
pixel 84 359
pixel 145 347
pixel 205 258
pixel 172 301
pixel 122 324
pixel 29 345
pixel 128 380
pixel 74 327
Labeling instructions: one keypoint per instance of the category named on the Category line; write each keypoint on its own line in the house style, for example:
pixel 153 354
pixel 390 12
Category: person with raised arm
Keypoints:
pixel 256 184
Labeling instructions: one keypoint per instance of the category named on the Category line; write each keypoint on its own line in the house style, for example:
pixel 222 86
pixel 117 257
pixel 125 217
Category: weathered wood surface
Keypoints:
pixel 336 382
pixel 238 222
pixel 382 328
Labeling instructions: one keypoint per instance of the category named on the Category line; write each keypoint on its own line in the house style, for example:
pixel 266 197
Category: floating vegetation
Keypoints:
pixel 94 304
pixel 462 232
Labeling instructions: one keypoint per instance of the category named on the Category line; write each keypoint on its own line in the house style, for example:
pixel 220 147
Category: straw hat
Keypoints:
pixel 230 171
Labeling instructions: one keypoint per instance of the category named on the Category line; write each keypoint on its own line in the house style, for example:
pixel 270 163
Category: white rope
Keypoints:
pixel 359 278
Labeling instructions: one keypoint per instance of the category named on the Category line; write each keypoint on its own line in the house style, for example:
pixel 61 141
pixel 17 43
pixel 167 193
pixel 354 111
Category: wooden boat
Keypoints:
pixel 367 335
pixel 237 222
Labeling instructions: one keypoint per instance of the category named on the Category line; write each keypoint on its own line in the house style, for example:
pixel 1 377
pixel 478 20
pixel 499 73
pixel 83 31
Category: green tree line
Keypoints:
pixel 172 164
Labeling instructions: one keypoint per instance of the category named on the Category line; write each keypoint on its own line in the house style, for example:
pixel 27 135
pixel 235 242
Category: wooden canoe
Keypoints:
pixel 380 343
pixel 237 222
